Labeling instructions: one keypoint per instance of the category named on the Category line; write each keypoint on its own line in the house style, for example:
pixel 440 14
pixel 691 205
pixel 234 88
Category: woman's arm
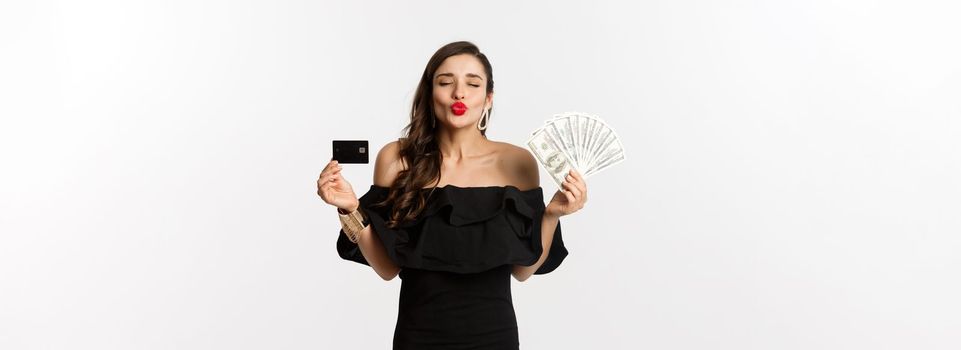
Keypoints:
pixel 337 191
pixel 375 254
pixel 386 167
pixel 548 225
pixel 569 199
pixel 529 177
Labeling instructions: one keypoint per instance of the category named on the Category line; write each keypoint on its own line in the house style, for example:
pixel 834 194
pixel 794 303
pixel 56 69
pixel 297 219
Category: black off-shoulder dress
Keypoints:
pixel 455 261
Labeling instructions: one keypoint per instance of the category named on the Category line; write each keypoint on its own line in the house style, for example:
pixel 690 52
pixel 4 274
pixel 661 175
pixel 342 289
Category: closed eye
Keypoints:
pixel 445 84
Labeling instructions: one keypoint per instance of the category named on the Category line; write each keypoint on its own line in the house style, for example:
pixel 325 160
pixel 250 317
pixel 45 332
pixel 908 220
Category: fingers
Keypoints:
pixel 570 186
pixel 577 176
pixel 331 167
pixel 577 179
pixel 330 174
pixel 330 178
pixel 576 199
pixel 574 184
pixel 325 185
pixel 569 195
pixel 331 164
pixel 322 189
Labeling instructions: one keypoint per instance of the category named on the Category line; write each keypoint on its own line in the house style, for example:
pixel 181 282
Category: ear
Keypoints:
pixel 490 100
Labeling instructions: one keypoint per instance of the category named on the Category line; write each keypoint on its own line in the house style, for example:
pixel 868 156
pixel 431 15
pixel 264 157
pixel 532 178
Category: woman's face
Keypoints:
pixel 460 78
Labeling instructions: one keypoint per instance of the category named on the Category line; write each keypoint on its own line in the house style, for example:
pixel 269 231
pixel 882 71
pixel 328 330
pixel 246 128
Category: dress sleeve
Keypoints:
pixel 558 251
pixel 376 219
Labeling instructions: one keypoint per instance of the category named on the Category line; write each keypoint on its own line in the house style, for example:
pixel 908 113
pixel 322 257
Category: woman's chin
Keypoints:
pixel 458 122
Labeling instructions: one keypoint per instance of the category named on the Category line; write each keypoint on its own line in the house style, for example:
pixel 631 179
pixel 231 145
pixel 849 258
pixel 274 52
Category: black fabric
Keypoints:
pixel 463 230
pixel 456 260
pixel 446 310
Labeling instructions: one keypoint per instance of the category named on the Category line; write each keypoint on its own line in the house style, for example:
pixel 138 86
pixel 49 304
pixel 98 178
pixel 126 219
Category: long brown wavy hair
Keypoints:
pixel 419 149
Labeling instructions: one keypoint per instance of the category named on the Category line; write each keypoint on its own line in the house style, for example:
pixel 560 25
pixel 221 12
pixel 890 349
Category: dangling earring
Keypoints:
pixel 485 119
pixel 433 123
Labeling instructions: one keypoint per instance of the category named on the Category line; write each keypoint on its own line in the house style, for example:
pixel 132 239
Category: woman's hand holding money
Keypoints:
pixel 570 198
pixel 335 190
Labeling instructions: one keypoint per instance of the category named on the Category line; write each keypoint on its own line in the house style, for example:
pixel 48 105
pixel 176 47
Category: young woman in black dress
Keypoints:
pixel 453 213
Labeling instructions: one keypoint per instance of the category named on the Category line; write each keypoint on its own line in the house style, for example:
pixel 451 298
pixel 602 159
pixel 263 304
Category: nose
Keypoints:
pixel 458 92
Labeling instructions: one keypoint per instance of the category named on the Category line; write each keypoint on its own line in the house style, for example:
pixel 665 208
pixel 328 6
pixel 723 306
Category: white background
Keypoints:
pixel 791 179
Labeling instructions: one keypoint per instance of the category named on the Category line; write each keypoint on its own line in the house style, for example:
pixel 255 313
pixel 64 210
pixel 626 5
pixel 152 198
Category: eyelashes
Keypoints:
pixel 445 84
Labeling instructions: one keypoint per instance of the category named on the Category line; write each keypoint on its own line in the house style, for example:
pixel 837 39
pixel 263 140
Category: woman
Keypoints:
pixel 453 213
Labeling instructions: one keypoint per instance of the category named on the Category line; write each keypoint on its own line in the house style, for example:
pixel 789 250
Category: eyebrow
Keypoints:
pixel 469 75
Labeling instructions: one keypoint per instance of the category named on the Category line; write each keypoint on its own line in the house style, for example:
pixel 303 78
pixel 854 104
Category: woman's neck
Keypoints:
pixel 463 143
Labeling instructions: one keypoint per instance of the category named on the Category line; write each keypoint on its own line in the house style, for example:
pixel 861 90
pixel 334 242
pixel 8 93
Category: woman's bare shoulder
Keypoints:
pixel 388 164
pixel 521 165
pixel 512 151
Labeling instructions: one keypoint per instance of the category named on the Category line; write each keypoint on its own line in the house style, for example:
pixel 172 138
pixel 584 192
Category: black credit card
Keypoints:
pixel 351 151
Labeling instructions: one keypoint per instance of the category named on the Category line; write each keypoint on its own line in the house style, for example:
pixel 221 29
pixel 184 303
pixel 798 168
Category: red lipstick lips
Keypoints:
pixel 458 108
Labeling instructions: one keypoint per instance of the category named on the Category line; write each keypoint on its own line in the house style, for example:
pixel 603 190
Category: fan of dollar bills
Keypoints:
pixel 575 140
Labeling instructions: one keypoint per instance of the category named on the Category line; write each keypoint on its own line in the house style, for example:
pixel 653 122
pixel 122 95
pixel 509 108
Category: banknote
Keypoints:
pixel 574 140
pixel 603 136
pixel 560 133
pixel 593 134
pixel 550 155
pixel 612 154
pixel 584 123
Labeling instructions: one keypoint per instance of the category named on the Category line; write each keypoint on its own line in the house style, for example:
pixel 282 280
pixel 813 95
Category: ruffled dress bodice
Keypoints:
pixel 463 230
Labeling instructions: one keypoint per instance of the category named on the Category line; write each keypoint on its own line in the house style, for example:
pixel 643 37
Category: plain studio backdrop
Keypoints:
pixel 791 182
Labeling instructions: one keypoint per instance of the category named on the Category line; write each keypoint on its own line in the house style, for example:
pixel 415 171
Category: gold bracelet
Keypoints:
pixel 352 224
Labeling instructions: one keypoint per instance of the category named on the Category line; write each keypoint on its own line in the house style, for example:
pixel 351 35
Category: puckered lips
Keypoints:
pixel 459 108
